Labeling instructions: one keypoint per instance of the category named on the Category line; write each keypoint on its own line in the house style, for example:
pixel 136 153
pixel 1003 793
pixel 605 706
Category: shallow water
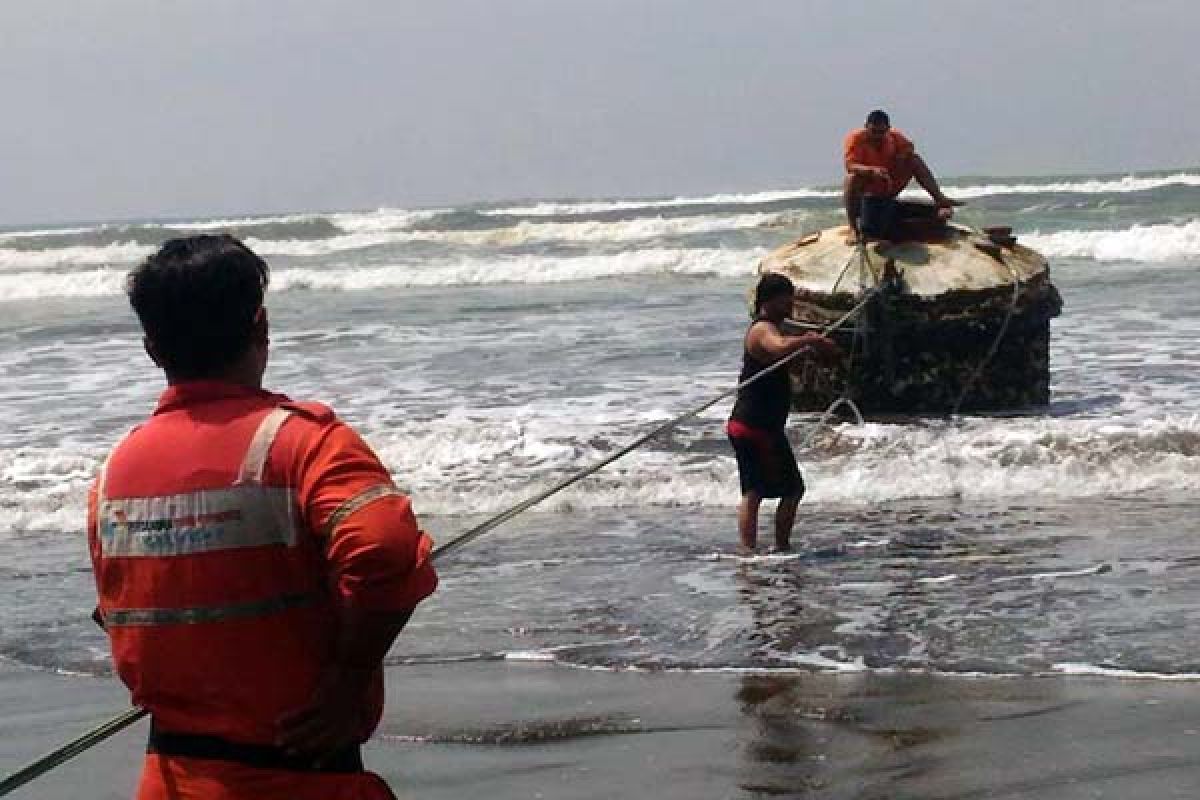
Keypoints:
pixel 488 352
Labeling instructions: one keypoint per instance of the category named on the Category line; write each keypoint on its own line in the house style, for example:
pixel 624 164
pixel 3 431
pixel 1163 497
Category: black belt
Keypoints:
pixel 265 756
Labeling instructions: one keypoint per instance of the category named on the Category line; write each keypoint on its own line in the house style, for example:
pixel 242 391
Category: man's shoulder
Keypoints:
pixel 316 439
pixel 760 328
pixel 854 137
pixel 311 424
pixel 899 139
pixel 315 412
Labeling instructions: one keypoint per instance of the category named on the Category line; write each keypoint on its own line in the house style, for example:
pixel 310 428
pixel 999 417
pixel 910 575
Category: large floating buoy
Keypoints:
pixel 962 319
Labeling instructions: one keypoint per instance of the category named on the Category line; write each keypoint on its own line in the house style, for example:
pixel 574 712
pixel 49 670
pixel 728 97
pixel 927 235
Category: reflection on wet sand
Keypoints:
pixel 878 736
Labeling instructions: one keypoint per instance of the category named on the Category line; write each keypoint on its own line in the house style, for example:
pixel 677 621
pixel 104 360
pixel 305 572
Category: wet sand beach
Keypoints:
pixel 545 731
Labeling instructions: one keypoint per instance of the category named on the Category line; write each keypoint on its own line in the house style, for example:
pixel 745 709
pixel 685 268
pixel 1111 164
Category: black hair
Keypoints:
pixel 770 286
pixel 878 117
pixel 198 298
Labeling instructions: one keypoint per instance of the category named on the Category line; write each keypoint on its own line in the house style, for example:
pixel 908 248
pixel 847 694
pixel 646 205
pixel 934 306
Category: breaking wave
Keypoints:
pixel 1122 185
pixel 483 464
pixel 527 269
pixel 376 232
pixel 1146 243
pixel 573 208
pixel 530 269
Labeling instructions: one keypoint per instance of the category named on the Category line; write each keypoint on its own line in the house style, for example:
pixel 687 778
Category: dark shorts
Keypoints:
pixel 878 217
pixel 766 464
pixel 889 218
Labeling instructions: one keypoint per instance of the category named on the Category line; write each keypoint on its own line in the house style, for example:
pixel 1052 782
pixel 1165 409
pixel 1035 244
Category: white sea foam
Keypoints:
pixel 526 269
pixel 554 209
pixel 454 463
pixel 630 230
pixel 229 223
pixel 529 269
pixel 531 655
pixel 45 489
pixel 39 233
pixel 1144 243
pixel 1095 569
pixel 483 463
pixel 1069 668
pixel 127 254
pixel 382 219
pixel 377 221
pixel 938 579
pixel 321 247
pixel 760 558
pixel 35 285
pixel 1126 184
pixel 526 232
pixel 1021 457
pixel 819 663
pixel 73 256
pixel 556 652
pixel 375 232
pixel 219 224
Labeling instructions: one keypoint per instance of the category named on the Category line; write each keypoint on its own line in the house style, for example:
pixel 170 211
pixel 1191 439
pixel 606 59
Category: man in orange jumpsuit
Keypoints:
pixel 880 161
pixel 254 560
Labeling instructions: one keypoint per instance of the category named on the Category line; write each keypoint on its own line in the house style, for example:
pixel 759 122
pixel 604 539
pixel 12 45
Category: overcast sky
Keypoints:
pixel 133 108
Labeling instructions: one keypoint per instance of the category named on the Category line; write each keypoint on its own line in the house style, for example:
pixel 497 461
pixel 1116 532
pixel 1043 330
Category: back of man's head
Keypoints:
pixel 770 286
pixel 878 117
pixel 198 299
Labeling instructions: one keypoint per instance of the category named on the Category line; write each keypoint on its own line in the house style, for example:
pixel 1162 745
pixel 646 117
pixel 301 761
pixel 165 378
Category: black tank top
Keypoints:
pixel 765 403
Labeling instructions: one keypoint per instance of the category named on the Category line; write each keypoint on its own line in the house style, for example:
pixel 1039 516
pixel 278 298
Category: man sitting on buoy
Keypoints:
pixel 880 161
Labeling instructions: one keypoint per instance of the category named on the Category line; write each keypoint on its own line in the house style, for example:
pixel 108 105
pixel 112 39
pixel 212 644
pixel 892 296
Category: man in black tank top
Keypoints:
pixel 766 465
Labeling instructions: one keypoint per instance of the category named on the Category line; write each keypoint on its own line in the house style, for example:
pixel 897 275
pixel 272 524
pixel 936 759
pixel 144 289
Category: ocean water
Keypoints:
pixel 488 351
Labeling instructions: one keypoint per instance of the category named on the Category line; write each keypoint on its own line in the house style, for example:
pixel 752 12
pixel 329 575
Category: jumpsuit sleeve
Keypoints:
pixel 379 558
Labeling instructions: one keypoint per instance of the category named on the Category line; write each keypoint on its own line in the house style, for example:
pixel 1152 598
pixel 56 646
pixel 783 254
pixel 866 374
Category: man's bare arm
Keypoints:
pixel 866 171
pixel 766 343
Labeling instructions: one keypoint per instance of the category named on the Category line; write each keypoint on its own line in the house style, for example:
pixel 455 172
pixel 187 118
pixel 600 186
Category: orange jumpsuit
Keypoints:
pixel 894 155
pixel 224 534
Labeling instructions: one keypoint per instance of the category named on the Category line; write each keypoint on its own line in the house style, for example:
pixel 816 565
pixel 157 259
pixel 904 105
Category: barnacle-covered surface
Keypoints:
pixel 946 294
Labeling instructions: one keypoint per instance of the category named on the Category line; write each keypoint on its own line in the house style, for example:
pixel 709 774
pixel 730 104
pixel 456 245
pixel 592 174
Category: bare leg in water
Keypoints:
pixel 748 520
pixel 785 519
